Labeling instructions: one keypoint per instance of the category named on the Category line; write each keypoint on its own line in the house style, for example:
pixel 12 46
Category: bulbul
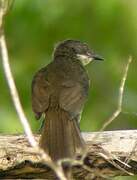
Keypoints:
pixel 60 91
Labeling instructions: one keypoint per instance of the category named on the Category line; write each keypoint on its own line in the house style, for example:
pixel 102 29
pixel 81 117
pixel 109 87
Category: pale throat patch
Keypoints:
pixel 84 59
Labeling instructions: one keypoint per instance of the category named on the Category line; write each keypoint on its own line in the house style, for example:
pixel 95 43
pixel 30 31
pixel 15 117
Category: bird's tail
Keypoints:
pixel 61 137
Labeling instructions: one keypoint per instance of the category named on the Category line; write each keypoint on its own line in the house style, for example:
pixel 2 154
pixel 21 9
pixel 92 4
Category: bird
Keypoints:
pixel 59 91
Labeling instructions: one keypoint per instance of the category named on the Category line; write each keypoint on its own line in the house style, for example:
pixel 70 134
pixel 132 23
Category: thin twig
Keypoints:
pixel 117 112
pixel 106 157
pixel 120 98
pixel 15 97
pixel 20 112
pixel 13 90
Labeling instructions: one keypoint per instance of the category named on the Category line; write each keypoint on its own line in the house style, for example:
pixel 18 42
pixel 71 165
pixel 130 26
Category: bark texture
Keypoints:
pixel 102 161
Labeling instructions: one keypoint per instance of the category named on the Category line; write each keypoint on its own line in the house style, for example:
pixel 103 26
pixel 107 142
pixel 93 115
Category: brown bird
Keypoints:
pixel 60 90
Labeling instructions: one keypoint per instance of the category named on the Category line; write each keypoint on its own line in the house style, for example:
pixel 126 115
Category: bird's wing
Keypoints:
pixel 40 93
pixel 72 97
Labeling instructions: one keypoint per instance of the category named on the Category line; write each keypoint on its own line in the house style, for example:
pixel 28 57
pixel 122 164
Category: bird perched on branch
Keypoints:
pixel 59 91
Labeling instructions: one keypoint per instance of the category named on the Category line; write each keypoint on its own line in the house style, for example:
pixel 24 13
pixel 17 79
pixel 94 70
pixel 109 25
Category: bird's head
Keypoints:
pixel 76 49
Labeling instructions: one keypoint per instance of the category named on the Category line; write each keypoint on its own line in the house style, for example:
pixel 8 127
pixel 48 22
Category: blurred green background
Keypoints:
pixel 109 27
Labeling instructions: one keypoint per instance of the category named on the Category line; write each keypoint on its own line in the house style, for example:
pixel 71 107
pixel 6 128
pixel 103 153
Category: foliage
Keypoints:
pixel 109 27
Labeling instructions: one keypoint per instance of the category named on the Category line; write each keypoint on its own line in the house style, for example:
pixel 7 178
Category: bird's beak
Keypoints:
pixel 85 59
pixel 97 57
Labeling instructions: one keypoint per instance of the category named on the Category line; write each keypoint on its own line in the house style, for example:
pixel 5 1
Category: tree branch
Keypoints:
pixel 19 160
